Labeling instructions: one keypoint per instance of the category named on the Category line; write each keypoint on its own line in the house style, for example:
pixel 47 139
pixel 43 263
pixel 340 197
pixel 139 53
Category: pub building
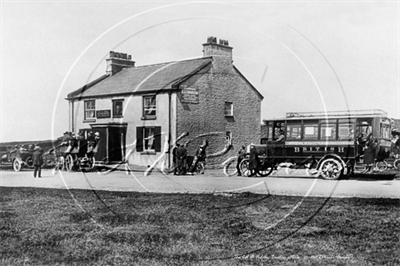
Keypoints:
pixel 142 111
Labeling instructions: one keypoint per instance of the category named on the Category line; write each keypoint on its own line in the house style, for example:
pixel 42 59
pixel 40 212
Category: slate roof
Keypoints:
pixel 142 79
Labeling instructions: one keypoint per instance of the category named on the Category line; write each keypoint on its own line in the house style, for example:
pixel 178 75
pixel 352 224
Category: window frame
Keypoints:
pixel 332 124
pixel 293 124
pixel 146 116
pixel 114 106
pixel 351 126
pixel 86 110
pixel 310 124
pixel 142 135
pixel 230 111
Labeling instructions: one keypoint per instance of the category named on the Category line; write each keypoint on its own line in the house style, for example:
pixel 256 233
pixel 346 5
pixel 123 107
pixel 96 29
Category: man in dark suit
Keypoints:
pixel 181 154
pixel 37 159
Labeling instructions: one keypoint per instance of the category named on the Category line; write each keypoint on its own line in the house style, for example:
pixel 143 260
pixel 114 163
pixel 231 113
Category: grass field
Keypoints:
pixel 79 227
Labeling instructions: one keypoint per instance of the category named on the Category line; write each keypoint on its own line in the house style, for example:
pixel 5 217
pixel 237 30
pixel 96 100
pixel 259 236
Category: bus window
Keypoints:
pixel 328 130
pixel 293 130
pixel 310 130
pixel 346 131
pixel 269 130
pixel 385 131
pixel 363 131
pixel 279 127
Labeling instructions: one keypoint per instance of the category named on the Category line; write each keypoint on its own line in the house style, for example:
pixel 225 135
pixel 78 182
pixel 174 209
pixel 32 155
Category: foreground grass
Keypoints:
pixel 78 227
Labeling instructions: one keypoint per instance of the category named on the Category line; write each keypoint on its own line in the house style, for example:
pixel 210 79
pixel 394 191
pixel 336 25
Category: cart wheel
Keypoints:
pixel 331 169
pixel 69 163
pixel 92 162
pixel 266 170
pixel 17 165
pixel 244 167
pixel 200 168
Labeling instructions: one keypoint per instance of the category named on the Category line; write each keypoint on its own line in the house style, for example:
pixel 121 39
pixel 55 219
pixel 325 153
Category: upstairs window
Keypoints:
pixel 228 109
pixel 90 109
pixel 149 107
pixel 118 106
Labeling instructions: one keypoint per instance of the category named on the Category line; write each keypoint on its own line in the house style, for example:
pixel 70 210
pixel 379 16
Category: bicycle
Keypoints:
pixel 389 163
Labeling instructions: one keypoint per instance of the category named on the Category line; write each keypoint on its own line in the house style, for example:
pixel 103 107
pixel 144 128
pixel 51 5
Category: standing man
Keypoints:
pixel 253 160
pixel 181 154
pixel 174 158
pixel 241 155
pixel 37 159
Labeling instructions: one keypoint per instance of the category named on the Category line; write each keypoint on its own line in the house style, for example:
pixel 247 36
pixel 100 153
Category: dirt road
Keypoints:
pixel 213 182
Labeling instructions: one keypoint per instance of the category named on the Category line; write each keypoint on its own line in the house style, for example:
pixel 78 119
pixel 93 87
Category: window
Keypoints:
pixel 149 107
pixel 385 131
pixel 346 131
pixel 148 139
pixel 118 106
pixel 90 109
pixel 293 131
pixel 279 129
pixel 310 130
pixel 328 130
pixel 228 109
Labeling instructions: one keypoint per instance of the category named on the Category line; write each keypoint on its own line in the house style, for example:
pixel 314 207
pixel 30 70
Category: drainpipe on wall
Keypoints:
pixel 169 128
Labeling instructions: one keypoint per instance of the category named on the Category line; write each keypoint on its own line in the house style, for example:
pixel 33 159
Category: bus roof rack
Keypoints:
pixel 345 113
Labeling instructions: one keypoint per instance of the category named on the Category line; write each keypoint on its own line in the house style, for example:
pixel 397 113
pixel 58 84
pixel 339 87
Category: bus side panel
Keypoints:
pixel 301 152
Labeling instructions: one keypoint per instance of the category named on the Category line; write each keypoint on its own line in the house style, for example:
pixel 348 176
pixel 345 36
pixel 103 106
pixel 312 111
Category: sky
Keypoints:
pixel 302 56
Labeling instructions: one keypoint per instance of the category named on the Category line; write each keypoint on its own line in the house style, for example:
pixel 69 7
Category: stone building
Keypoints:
pixel 142 111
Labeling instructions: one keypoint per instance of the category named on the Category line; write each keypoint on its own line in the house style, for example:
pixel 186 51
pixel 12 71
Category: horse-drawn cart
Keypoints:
pixel 79 156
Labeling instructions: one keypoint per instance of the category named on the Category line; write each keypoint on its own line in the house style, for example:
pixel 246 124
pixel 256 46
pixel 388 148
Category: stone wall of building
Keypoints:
pixel 207 121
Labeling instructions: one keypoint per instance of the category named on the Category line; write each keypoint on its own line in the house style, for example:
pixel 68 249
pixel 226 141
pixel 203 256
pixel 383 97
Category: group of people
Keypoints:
pixel 85 145
pixel 184 163
pixel 368 149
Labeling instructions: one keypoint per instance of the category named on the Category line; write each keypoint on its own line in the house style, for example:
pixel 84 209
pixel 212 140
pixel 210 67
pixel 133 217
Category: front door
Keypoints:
pixel 101 154
pixel 111 146
pixel 116 144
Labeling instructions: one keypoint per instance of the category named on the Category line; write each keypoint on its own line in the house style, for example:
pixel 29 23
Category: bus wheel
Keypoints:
pixel 331 169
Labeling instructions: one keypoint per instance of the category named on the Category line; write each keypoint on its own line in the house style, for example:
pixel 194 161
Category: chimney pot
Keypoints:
pixel 118 61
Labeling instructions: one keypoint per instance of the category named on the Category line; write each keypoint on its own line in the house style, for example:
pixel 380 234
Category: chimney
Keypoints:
pixel 221 49
pixel 117 61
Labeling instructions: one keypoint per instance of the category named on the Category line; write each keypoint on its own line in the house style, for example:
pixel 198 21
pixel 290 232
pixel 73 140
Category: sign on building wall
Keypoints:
pixel 189 95
pixel 103 114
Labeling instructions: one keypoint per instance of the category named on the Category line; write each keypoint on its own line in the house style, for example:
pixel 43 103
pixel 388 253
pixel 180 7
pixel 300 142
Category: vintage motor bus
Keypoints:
pixel 331 142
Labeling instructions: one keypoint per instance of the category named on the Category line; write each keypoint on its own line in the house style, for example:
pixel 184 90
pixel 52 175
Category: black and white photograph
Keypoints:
pixel 199 132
